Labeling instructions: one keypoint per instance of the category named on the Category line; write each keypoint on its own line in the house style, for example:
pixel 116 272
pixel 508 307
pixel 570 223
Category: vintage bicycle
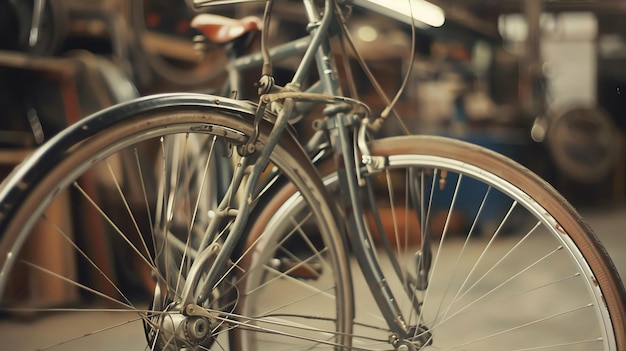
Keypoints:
pixel 202 222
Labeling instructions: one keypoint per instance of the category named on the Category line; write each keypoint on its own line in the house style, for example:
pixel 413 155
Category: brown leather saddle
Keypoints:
pixel 221 29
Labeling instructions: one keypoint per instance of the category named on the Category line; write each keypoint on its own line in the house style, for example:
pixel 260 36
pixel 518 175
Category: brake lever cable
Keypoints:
pixel 376 124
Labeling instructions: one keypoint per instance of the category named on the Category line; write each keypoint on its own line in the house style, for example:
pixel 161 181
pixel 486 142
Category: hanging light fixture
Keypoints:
pixel 423 13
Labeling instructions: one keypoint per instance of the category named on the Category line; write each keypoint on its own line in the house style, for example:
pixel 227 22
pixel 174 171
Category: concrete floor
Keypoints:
pixel 609 225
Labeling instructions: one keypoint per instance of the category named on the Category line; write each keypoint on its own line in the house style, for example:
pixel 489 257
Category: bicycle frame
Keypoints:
pixel 342 126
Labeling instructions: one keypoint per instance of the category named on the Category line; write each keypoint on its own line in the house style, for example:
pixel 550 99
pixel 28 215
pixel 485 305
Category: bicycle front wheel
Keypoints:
pixel 480 254
pixel 101 234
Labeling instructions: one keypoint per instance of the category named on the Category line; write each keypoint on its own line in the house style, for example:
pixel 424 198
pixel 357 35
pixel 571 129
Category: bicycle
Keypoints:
pixel 242 239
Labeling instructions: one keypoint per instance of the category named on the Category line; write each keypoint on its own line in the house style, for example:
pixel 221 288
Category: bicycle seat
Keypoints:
pixel 220 29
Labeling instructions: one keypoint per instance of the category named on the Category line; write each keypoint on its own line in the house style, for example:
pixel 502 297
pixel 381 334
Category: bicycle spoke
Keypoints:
pixel 76 284
pixel 95 332
pixel 84 255
pixel 486 249
pixel 466 243
pixel 475 308
pixel 128 210
pixel 146 204
pixel 286 275
pixel 270 323
pixel 438 254
pixel 521 326
pixel 113 225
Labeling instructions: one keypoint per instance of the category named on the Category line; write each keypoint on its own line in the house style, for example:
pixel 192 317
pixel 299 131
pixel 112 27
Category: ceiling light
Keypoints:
pixel 423 11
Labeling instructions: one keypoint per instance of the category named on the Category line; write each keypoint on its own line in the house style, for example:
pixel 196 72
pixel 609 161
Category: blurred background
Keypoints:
pixel 542 81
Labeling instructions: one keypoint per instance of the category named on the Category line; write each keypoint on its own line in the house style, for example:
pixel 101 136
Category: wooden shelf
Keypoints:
pixel 60 65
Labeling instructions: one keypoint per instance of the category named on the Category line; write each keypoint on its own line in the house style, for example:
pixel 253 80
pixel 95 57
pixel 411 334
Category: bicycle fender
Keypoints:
pixel 17 185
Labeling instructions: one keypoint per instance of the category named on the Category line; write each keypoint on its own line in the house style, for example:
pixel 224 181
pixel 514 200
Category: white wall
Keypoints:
pixel 568 48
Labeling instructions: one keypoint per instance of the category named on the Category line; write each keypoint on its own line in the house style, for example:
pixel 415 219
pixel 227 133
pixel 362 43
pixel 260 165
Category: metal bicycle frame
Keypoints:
pixel 342 128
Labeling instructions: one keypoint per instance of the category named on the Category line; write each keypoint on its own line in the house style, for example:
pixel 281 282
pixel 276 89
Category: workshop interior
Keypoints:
pixel 542 82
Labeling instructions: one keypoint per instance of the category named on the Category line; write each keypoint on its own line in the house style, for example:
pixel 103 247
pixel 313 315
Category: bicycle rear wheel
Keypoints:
pixel 509 265
pixel 101 229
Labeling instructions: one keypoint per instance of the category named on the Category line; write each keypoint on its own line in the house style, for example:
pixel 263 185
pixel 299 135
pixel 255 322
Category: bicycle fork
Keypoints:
pixel 404 336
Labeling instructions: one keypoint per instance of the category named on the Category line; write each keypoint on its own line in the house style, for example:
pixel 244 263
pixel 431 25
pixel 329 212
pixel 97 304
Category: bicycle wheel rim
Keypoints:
pixel 159 125
pixel 549 210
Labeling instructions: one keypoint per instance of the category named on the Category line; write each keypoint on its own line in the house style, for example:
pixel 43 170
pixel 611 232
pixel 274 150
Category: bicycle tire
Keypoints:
pixel 514 266
pixel 102 297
